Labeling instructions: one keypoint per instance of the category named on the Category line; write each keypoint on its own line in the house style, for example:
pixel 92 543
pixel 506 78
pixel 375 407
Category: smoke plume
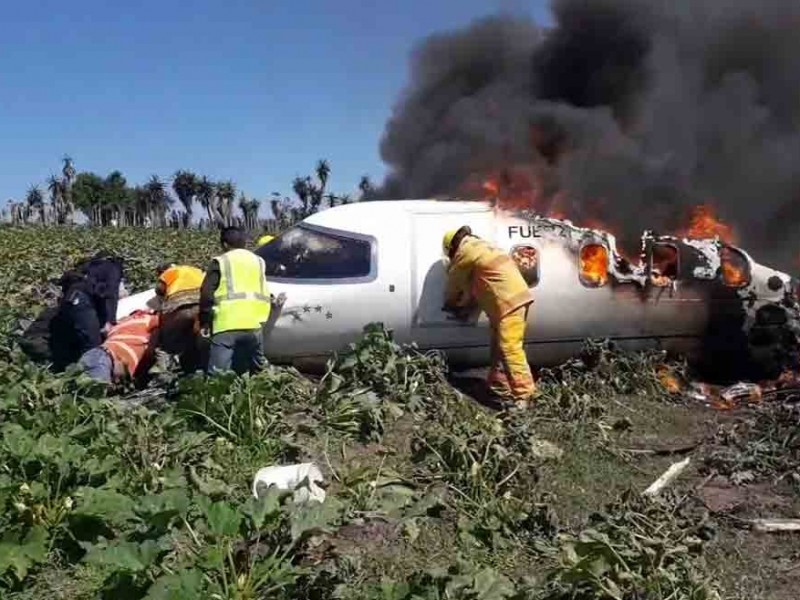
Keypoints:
pixel 626 112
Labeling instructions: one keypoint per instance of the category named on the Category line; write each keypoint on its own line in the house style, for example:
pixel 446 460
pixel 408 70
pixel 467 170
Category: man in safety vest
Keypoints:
pixel 178 291
pixel 480 274
pixel 234 304
pixel 128 350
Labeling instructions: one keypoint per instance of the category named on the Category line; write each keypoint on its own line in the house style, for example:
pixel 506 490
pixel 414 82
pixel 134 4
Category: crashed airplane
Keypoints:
pixel 382 262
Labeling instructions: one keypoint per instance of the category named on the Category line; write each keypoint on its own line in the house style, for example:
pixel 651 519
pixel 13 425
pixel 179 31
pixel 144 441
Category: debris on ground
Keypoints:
pixel 667 477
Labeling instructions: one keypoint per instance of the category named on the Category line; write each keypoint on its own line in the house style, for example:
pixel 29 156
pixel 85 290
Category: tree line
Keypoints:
pixel 112 201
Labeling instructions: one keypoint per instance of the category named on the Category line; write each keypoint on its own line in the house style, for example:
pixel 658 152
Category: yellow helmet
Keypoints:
pixel 448 240
pixel 450 237
pixel 265 239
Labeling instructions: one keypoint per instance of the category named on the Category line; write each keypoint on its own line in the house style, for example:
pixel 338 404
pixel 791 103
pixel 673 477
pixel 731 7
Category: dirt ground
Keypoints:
pixel 653 435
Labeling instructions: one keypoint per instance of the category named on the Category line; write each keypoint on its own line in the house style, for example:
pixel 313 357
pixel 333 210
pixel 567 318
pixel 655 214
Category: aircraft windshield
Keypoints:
pixel 306 253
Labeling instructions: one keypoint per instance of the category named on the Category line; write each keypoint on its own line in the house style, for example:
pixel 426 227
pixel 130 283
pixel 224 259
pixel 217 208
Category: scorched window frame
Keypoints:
pixel 747 266
pixel 678 260
pixel 584 282
pixel 538 262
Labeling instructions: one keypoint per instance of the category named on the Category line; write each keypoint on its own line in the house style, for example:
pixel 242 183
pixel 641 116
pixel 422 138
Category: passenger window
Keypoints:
pixel 305 252
pixel 527 259
pixel 735 268
pixel 594 265
pixel 664 267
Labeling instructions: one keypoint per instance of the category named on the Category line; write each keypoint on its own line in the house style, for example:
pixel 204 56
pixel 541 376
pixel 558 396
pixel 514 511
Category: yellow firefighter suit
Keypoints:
pixel 480 273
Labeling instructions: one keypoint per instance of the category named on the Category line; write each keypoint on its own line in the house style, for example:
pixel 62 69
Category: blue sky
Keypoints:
pixel 254 91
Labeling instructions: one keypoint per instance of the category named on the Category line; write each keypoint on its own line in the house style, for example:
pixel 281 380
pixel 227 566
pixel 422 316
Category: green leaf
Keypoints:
pixel 315 517
pixel 491 586
pixel 20 557
pixel 265 506
pixel 123 556
pixel 178 586
pixel 18 441
pixel 223 519
pixel 169 501
pixel 105 504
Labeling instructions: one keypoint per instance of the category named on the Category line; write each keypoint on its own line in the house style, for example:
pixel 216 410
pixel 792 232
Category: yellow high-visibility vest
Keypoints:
pixel 242 299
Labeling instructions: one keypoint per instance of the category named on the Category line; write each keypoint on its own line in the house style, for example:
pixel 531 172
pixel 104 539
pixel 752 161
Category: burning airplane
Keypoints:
pixel 381 261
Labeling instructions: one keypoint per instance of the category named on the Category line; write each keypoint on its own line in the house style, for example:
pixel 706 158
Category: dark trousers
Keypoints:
pixel 239 351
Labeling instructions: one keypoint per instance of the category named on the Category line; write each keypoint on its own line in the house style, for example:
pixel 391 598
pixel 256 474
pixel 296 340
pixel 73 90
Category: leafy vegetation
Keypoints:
pixel 429 494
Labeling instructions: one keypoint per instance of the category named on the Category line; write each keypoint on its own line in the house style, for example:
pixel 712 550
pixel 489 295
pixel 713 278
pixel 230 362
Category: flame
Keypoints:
pixel 668 379
pixel 705 224
pixel 732 276
pixel 491 187
pixel 734 272
pixel 594 264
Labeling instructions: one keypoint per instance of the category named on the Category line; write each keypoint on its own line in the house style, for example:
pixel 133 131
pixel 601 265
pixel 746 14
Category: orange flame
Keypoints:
pixel 594 264
pixel 670 382
pixel 734 272
pixel 705 224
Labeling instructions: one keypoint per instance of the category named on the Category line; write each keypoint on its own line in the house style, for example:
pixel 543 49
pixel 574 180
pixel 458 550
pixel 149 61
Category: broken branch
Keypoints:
pixel 667 478
pixel 775 525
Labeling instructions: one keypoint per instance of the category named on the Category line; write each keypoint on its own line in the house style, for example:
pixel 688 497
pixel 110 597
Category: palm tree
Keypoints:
pixel 158 200
pixel 68 173
pixel 56 188
pixel 226 194
pixel 302 189
pixel 249 210
pixel 365 185
pixel 141 200
pixel 68 170
pixel 323 172
pixel 205 196
pixel 117 195
pixel 185 185
pixel 35 201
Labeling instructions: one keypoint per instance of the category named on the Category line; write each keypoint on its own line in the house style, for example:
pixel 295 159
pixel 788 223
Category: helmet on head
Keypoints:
pixel 453 238
pixel 265 239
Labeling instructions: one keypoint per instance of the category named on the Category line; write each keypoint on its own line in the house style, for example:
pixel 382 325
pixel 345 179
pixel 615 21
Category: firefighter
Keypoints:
pixel 234 304
pixel 480 275
pixel 178 291
pixel 129 349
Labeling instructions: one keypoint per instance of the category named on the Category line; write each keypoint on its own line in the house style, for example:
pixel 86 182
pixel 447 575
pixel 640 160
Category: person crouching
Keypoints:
pixel 128 350
pixel 178 292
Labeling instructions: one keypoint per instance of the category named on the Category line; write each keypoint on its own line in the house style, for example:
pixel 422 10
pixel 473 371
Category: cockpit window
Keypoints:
pixel 305 252
pixel 735 268
pixel 527 259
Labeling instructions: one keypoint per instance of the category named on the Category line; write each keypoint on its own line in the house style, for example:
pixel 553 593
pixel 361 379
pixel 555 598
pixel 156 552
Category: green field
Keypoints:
pixel 429 494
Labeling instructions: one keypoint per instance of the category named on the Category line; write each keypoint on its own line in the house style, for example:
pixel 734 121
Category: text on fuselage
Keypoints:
pixel 523 231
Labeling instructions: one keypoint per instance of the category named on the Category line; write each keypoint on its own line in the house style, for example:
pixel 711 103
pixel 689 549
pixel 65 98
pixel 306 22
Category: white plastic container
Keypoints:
pixel 289 477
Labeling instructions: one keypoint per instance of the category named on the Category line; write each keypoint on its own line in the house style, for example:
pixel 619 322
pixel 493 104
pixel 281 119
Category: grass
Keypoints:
pixel 430 494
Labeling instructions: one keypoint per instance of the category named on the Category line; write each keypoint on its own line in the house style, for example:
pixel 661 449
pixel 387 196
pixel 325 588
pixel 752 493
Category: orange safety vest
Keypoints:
pixel 129 339
pixel 485 274
pixel 181 278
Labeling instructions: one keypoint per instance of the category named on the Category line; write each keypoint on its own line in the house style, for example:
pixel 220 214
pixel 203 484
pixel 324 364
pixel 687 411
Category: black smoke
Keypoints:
pixel 629 112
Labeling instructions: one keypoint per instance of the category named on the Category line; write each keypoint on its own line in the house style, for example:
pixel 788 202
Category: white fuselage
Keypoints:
pixel 351 265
